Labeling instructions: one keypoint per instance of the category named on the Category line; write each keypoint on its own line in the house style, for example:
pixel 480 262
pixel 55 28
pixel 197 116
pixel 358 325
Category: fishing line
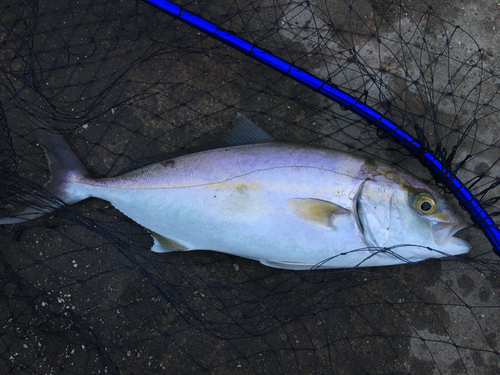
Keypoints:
pixel 440 172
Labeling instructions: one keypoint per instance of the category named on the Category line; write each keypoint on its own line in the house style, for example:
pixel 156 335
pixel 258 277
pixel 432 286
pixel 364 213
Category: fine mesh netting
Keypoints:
pixel 81 292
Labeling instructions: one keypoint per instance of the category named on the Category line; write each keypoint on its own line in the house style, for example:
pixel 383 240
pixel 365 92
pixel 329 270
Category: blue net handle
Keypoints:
pixel 479 216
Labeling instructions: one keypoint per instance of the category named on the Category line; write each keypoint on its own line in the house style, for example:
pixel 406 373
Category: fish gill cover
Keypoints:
pixel 82 293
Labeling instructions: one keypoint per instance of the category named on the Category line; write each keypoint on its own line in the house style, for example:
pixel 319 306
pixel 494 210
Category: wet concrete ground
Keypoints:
pixel 83 294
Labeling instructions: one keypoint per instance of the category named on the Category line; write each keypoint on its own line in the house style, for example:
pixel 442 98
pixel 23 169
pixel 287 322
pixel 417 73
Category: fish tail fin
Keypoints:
pixel 65 168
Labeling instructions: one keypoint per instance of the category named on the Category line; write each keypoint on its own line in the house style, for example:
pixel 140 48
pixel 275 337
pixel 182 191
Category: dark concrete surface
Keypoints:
pixel 82 293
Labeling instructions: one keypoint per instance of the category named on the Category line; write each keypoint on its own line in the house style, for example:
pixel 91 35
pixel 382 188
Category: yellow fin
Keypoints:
pixel 315 210
pixel 164 245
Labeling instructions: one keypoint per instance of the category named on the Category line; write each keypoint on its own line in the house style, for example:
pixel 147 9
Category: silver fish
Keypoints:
pixel 285 205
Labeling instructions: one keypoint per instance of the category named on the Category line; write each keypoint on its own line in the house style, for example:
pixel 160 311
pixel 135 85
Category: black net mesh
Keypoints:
pixel 81 292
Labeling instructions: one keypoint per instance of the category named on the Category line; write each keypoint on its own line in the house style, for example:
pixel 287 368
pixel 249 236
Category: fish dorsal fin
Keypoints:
pixel 245 132
pixel 163 244
pixel 316 210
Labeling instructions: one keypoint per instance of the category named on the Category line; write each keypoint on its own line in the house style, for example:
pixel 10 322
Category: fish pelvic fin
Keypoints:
pixel 65 169
pixel 163 244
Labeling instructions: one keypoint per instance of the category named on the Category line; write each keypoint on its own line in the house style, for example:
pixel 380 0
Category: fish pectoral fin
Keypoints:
pixel 316 211
pixel 163 244
pixel 287 265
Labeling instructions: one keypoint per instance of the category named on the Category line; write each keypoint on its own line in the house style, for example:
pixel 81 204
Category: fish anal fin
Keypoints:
pixel 163 244
pixel 316 210
pixel 287 265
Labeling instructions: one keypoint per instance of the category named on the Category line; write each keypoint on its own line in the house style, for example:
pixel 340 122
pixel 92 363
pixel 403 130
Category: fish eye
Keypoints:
pixel 424 203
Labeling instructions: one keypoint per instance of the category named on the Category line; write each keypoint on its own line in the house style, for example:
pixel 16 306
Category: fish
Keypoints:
pixel 288 206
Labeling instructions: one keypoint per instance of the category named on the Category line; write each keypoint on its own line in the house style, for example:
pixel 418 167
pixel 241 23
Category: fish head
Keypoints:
pixel 398 212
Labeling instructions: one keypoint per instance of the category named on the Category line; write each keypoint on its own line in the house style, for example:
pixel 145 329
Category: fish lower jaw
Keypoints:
pixel 458 246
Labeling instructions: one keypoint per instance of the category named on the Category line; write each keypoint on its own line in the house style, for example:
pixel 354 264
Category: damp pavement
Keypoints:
pixel 92 298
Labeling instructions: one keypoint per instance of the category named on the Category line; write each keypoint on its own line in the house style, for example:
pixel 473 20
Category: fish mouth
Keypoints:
pixel 444 232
